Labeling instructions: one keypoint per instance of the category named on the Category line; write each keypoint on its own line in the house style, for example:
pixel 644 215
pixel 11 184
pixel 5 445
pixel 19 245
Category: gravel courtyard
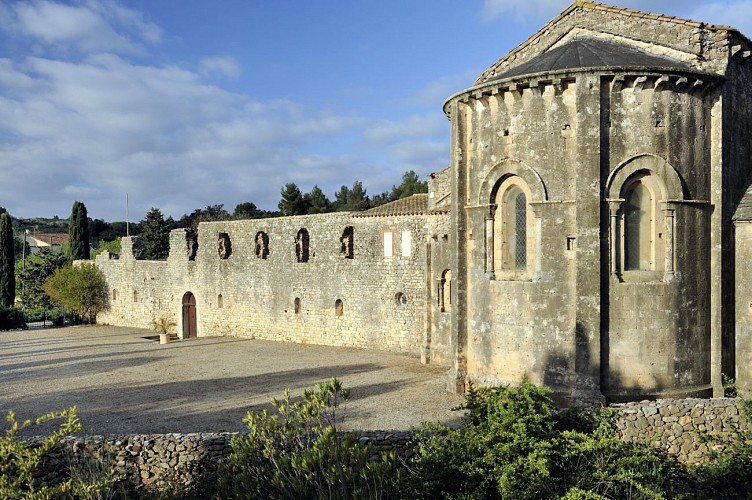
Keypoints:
pixel 123 383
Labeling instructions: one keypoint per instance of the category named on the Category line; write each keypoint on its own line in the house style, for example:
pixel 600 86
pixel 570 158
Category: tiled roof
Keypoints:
pixel 583 4
pixel 416 204
pixel 50 238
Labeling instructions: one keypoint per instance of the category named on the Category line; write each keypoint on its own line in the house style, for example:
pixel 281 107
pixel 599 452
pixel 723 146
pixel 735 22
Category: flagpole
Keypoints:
pixel 127 228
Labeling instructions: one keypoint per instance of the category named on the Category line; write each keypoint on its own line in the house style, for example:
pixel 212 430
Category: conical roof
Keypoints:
pixel 586 52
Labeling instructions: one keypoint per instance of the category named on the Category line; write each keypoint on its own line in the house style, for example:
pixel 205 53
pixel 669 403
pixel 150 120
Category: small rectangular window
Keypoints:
pixel 388 244
pixel 406 244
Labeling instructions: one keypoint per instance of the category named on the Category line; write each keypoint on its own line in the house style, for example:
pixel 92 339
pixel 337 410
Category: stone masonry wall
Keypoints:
pixel 276 297
pixel 151 461
pixel 685 429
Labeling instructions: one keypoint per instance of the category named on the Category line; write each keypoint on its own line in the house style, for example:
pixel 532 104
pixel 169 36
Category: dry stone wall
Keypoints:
pixel 153 461
pixel 685 429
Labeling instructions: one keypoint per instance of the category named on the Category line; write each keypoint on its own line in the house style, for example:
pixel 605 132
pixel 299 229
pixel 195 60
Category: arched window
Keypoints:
pixel 301 245
pixel 346 243
pixel 642 224
pixel 114 294
pixel 512 224
pixel 135 296
pixel 220 301
pixel 262 245
pixel 224 247
pixel 297 305
pixel 339 308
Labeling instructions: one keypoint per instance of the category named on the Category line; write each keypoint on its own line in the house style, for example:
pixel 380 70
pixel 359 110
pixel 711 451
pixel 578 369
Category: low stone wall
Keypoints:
pixel 148 461
pixel 685 429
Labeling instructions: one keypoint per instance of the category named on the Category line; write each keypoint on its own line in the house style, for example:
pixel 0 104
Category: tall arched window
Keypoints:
pixel 642 224
pixel 512 226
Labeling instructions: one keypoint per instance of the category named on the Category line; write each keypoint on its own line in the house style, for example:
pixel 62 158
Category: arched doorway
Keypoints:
pixel 189 316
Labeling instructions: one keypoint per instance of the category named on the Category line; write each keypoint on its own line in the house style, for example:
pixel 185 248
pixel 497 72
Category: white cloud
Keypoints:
pixel 223 66
pixel 94 26
pixel 97 129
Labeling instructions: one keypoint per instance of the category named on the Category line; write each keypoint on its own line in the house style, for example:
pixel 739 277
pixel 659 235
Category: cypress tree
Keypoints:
pixel 7 262
pixel 78 232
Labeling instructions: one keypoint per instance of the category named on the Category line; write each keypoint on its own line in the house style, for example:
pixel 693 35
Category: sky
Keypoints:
pixel 182 104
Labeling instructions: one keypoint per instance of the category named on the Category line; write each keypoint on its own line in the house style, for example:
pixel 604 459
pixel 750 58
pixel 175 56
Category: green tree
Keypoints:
pixel 292 201
pixel 155 235
pixel 7 262
pixel 33 272
pixel 80 289
pixel 107 246
pixel 411 185
pixel 210 213
pixel 379 199
pixel 318 202
pixel 352 199
pixel 78 232
pixel 247 210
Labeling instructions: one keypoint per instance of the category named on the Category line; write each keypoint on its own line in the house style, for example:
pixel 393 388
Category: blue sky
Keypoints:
pixel 188 103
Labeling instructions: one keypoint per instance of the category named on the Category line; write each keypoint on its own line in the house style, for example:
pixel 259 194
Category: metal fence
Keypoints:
pixel 45 318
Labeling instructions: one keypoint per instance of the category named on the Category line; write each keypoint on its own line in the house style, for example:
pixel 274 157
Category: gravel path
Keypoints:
pixel 123 383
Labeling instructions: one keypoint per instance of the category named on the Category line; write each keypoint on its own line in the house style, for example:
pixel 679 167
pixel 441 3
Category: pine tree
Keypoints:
pixel 292 202
pixel 411 184
pixel 7 262
pixel 351 199
pixel 318 202
pixel 155 235
pixel 78 232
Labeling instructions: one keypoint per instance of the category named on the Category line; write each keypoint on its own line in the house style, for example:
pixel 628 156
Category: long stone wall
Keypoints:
pixel 685 429
pixel 355 293
pixel 153 461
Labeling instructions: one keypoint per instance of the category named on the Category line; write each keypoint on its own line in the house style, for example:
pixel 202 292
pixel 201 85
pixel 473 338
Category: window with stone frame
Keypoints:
pixel 339 308
pixel 262 245
pixel 512 226
pixel 642 224
pixel 346 243
pixel 302 247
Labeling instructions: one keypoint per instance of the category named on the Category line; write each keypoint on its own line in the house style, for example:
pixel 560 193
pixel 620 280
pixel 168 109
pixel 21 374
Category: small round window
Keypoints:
pixel 400 299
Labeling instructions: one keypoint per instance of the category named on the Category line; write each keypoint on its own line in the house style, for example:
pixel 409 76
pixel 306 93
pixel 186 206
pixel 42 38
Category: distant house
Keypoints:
pixel 53 241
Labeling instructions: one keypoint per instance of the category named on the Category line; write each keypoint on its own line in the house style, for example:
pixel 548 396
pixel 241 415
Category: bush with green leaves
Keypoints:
pixel 515 445
pixel 11 318
pixel 297 452
pixel 19 459
pixel 80 289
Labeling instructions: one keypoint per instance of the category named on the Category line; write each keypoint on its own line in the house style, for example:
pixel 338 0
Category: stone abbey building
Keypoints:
pixel 593 229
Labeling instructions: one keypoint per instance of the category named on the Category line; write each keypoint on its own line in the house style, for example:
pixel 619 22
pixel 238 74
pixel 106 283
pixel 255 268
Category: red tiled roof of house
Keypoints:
pixel 50 238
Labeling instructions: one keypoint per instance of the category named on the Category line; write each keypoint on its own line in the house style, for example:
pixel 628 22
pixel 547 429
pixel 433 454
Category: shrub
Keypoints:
pixel 727 471
pixel 298 453
pixel 515 445
pixel 18 459
pixel 11 318
pixel 80 289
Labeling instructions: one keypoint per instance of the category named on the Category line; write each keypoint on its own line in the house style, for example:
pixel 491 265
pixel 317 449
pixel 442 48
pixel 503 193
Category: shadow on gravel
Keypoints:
pixel 175 405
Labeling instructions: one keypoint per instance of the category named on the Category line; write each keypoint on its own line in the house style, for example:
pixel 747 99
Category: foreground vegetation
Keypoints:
pixel 512 444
